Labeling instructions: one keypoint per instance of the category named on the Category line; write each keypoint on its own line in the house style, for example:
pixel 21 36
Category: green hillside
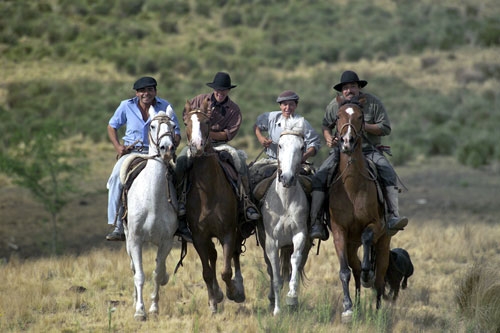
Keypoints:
pixel 435 65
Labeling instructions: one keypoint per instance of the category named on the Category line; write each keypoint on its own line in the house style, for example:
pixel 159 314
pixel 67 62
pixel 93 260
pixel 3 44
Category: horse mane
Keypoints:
pixel 294 126
pixel 356 100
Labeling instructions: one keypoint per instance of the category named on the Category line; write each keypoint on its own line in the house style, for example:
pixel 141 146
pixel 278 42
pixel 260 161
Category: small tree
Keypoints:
pixel 39 163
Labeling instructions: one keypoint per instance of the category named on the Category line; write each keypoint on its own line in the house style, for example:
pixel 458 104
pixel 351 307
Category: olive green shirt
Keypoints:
pixel 374 113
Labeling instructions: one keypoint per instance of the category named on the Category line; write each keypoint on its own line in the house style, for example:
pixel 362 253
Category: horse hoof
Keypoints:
pixel 238 297
pixel 153 310
pixel 141 316
pixel 292 301
pixel 346 317
pixel 219 298
pixel 368 279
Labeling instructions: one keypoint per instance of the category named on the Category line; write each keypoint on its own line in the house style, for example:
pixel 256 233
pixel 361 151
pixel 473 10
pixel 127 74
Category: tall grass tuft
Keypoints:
pixel 478 298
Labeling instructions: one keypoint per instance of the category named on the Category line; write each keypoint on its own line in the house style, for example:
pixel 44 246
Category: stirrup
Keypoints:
pixel 252 214
pixel 181 209
pixel 319 231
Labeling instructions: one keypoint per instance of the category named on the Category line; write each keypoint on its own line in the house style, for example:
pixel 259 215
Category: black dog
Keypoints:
pixel 400 269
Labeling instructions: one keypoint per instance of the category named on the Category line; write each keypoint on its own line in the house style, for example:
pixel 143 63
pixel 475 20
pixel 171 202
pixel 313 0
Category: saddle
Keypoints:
pixel 131 167
pixel 259 189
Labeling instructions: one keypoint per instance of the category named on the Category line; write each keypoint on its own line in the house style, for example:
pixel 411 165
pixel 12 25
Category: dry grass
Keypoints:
pixel 453 225
pixel 40 294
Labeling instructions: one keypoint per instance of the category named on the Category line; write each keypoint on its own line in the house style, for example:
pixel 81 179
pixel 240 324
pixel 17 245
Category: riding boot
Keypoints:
pixel 183 230
pixel 318 228
pixel 395 222
pixel 251 211
pixel 117 234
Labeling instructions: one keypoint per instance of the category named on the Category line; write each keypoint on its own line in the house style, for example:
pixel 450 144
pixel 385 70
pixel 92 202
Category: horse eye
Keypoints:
pixel 279 146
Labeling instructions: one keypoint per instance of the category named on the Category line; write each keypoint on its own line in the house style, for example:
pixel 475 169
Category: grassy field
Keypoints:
pixel 434 64
pixel 453 233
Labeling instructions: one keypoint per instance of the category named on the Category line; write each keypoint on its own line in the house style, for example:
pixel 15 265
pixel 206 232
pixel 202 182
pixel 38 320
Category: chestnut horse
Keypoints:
pixel 212 210
pixel 356 213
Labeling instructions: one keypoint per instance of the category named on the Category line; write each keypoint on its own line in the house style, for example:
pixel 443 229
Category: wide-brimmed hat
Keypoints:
pixel 287 95
pixel 222 81
pixel 349 77
pixel 144 82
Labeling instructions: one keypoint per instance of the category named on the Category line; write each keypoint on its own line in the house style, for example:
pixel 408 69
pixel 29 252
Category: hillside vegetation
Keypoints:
pixel 434 64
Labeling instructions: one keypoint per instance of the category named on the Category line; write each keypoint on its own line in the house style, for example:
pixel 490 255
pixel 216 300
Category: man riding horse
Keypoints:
pixel 225 121
pixel 376 125
pixel 273 123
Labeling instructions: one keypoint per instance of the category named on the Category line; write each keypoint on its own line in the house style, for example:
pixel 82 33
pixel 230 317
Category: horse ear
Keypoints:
pixel 170 112
pixel 339 99
pixel 151 112
pixel 205 108
pixel 362 100
pixel 187 109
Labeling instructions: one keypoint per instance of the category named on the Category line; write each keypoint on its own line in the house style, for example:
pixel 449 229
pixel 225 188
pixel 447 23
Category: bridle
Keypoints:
pixel 358 135
pixel 162 119
pixel 206 117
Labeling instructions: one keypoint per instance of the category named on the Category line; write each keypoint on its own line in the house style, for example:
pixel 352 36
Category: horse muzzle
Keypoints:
pixel 287 179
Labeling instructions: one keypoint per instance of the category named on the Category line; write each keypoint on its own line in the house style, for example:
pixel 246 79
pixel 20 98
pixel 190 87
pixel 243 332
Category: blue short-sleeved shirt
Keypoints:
pixel 128 114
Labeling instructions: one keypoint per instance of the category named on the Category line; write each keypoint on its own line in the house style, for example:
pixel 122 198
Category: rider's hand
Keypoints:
pixel 266 142
pixel 332 141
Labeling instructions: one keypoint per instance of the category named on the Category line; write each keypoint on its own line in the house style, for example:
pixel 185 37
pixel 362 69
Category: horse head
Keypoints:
pixel 290 150
pixel 161 134
pixel 350 123
pixel 197 127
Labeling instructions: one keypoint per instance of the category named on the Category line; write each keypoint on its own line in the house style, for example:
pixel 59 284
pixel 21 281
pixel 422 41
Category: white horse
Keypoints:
pixel 285 211
pixel 152 213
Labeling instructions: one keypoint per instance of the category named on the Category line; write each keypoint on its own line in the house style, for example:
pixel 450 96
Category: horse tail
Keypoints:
pixel 305 255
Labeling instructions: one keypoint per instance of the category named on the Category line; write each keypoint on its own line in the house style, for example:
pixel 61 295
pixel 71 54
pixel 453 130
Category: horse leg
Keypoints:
pixel 227 272
pixel 339 238
pixel 208 257
pixel 160 275
pixel 367 274
pixel 355 264
pixel 238 279
pixel 382 250
pixel 262 239
pixel 277 280
pixel 295 261
pixel 135 252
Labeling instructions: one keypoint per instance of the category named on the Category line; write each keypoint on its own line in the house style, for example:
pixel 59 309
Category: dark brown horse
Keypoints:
pixel 356 213
pixel 212 210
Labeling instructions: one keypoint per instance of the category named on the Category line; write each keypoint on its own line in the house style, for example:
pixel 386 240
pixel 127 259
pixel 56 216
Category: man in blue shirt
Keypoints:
pixel 134 114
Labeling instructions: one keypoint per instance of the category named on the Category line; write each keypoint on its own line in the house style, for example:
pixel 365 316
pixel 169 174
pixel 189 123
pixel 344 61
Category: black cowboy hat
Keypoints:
pixel 144 82
pixel 349 77
pixel 222 81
